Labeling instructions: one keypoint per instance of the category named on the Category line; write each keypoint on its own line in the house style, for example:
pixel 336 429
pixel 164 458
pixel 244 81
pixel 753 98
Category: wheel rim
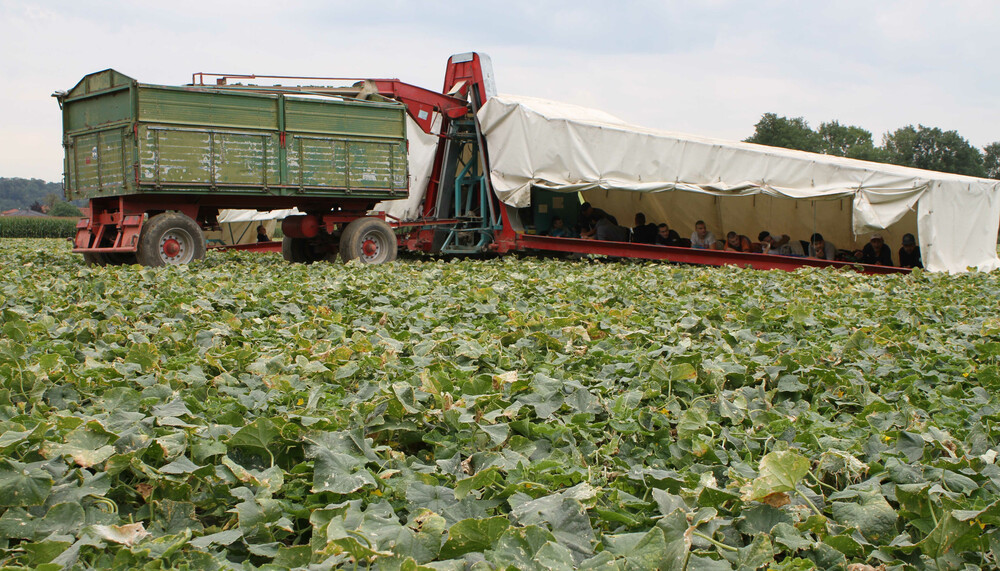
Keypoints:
pixel 373 246
pixel 176 246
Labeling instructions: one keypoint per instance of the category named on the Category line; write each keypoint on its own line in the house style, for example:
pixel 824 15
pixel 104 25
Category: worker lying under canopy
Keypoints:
pixel 623 169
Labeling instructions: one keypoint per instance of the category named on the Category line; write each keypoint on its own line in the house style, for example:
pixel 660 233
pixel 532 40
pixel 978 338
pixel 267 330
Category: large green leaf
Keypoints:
pixel 23 484
pixel 779 472
pixel 945 535
pixel 631 415
pixel 529 547
pixel 871 515
pixel 257 434
pixel 473 535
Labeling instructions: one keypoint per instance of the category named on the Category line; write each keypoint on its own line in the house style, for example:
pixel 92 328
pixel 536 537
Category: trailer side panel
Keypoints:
pixel 125 138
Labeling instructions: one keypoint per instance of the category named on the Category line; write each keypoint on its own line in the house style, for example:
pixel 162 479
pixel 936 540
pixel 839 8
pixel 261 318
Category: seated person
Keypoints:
pixel 783 246
pixel 262 234
pixel 589 217
pixel 820 248
pixel 909 254
pixel 667 237
pixel 643 233
pixel 738 243
pixel 876 252
pixel 605 229
pixel 702 239
pixel 559 229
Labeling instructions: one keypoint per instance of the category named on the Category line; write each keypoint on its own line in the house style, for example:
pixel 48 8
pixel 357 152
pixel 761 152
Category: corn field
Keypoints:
pixel 36 227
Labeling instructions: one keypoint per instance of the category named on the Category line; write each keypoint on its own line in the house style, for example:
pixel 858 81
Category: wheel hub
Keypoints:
pixel 370 248
pixel 171 248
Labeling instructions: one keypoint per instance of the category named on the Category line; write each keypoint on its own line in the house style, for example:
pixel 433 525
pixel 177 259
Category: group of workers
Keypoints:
pixel 875 252
pixel 596 224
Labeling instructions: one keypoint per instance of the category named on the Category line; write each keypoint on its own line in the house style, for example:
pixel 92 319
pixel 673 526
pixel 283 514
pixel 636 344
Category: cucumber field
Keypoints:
pixel 523 413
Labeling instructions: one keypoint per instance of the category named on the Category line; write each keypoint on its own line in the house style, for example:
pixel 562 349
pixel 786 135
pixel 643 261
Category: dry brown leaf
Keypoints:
pixel 145 490
pixel 776 500
pixel 125 534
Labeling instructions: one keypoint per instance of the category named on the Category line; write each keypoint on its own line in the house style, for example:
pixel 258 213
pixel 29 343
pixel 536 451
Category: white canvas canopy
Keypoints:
pixel 420 150
pixel 744 187
pixel 240 226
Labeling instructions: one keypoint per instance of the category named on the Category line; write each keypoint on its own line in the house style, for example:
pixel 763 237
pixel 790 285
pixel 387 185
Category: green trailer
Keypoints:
pixel 157 163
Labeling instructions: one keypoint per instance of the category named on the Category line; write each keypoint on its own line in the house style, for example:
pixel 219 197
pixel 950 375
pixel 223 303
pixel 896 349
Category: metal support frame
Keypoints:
pixel 470 184
pixel 115 224
pixel 689 255
pixel 420 102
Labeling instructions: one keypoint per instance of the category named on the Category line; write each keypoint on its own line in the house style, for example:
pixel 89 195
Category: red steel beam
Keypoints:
pixel 259 247
pixel 689 255
pixel 421 103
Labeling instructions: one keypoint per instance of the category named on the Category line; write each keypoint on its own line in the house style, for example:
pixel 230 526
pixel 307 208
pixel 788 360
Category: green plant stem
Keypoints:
pixel 718 544
pixel 809 502
pixel 818 482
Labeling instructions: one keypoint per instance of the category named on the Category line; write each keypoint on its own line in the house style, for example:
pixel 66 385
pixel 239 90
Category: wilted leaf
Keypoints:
pixel 128 534
pixel 779 472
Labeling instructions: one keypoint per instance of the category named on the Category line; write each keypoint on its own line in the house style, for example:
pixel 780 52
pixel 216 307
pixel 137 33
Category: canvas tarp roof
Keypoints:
pixel 560 147
pixel 232 216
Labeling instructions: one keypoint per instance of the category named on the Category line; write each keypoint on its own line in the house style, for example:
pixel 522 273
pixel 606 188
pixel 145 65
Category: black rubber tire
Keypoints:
pixel 109 259
pixel 120 258
pixel 163 228
pixel 299 251
pixel 92 259
pixel 368 240
pixel 290 250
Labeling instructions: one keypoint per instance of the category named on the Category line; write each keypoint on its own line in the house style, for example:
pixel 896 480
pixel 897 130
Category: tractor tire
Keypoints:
pixel 170 238
pixel 92 259
pixel 290 250
pixel 300 251
pixel 368 240
pixel 120 258
pixel 109 259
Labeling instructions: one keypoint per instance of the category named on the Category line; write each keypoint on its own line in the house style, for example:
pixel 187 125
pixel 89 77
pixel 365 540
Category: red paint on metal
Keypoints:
pixel 260 247
pixel 304 226
pixel 688 255
pixel 369 247
pixel 418 241
pixel 471 72
pixel 424 222
pixel 171 248
pixel 420 102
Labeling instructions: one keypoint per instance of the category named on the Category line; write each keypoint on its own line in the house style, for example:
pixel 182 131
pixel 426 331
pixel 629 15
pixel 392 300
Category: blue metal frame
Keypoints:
pixel 485 224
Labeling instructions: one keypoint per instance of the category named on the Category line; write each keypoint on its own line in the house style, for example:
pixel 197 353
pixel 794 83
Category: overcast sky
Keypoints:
pixel 708 68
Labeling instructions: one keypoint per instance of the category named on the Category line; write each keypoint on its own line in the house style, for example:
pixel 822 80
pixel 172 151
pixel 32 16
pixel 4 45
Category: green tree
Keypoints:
pixel 991 160
pixel 847 141
pixel 784 132
pixel 22 192
pixel 62 208
pixel 933 149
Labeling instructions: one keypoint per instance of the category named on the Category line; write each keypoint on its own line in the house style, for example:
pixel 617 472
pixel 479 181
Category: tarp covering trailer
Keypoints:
pixel 537 144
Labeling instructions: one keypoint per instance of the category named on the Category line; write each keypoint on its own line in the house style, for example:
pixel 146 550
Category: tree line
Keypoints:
pixel 921 147
pixel 35 194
